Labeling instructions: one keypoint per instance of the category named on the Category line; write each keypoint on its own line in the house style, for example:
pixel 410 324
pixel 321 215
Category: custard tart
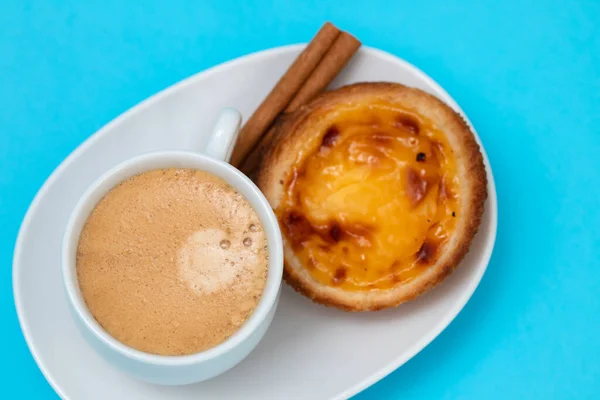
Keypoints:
pixel 379 189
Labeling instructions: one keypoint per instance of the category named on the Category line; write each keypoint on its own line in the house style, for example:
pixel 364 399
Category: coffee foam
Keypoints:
pixel 211 260
pixel 172 261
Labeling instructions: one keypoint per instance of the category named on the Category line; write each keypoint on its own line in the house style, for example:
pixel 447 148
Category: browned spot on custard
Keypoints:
pixel 330 136
pixel 395 265
pixel 416 186
pixel 335 232
pixel 340 275
pixel 298 228
pixel 407 123
pixel 426 253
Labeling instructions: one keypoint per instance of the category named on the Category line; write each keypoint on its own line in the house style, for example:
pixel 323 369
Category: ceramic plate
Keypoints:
pixel 306 342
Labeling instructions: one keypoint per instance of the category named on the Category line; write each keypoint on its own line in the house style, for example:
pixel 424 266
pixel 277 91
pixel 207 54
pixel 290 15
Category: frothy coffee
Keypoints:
pixel 172 261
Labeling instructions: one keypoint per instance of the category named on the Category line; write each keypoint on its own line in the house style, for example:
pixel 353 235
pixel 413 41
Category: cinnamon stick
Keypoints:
pixel 336 58
pixel 283 92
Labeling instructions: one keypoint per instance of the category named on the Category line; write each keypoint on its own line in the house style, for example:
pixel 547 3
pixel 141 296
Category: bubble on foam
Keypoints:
pixel 225 244
pixel 247 242
pixel 253 228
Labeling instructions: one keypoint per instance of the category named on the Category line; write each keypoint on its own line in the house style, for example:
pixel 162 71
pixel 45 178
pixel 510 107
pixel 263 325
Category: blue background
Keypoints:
pixel 527 74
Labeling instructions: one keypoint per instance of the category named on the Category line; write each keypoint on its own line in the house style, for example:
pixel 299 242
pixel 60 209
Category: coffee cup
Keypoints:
pixel 191 368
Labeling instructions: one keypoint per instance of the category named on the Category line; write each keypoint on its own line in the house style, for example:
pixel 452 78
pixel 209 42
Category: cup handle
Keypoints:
pixel 224 135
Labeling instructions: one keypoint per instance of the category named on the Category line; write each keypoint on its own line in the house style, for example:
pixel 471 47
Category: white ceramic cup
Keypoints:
pixel 178 370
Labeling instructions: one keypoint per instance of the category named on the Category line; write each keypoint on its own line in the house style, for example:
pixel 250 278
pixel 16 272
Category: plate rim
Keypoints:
pixel 383 371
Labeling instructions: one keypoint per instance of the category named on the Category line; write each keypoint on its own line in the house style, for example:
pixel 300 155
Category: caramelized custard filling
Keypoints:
pixel 372 199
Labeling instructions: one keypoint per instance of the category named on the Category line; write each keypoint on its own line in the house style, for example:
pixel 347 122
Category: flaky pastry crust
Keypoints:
pixel 295 129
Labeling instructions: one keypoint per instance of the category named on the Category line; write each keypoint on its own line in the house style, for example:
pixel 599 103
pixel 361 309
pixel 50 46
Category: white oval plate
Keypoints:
pixel 306 342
